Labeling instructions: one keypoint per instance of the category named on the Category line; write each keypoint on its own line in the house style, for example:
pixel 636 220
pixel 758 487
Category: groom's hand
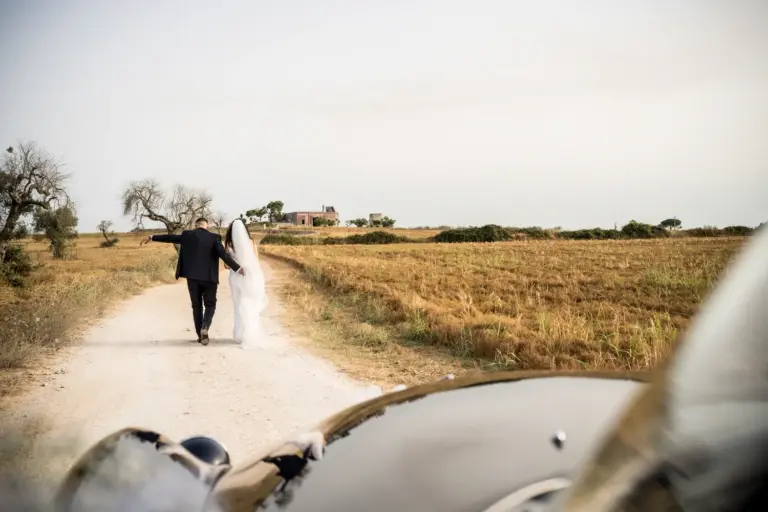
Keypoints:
pixel 146 240
pixel 241 271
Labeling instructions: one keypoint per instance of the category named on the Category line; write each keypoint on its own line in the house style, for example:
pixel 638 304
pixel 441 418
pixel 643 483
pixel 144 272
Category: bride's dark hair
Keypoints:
pixel 228 237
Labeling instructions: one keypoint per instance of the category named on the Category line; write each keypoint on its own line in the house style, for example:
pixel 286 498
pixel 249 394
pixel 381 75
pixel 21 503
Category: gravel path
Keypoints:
pixel 141 367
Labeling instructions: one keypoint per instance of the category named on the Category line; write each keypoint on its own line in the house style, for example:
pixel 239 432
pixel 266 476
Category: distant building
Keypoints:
pixel 304 218
pixel 373 217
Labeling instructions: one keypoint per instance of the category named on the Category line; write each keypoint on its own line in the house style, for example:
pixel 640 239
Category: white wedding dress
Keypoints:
pixel 249 292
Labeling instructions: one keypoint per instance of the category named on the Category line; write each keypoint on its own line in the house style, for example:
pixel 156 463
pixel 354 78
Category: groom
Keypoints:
pixel 199 264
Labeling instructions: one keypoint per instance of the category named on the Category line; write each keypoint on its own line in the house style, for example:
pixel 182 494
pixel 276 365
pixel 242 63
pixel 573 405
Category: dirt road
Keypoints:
pixel 140 366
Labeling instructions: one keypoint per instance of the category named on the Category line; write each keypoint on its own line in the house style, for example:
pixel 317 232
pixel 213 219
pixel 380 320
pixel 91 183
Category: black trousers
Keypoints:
pixel 202 293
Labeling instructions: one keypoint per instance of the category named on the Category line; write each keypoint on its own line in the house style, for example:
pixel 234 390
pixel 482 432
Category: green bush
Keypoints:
pixel 712 231
pixel 487 233
pixel 59 227
pixel 533 232
pixel 738 231
pixel 591 234
pixel 494 233
pixel 634 229
pixel 16 265
pixel 322 221
pixel 704 231
pixel 373 238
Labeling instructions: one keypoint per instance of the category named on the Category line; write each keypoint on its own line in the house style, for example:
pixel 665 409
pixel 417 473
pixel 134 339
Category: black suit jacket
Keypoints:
pixel 199 254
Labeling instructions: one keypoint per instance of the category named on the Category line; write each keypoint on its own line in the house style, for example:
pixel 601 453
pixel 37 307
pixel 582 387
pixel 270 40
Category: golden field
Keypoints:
pixel 515 305
pixel 62 295
pixel 406 313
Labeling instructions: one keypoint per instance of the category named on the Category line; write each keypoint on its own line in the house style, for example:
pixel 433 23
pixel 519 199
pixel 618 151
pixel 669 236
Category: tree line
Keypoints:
pixel 384 222
pixel 273 211
pixel 34 200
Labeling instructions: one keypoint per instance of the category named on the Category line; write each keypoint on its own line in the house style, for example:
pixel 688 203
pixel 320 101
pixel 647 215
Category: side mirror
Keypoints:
pixel 137 469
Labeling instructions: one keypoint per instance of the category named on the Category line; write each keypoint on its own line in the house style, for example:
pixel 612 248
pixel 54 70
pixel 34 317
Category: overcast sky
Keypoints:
pixel 548 112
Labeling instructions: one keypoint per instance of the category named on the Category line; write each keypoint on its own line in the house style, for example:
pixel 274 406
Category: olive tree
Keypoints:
pixel 384 222
pixel 360 223
pixel 256 215
pixel 146 200
pixel 275 211
pixel 59 226
pixel 30 180
pixel 105 228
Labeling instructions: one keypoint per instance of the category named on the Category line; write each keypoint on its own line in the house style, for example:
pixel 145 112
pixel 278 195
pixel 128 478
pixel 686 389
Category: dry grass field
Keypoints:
pixel 405 313
pixel 64 295
pixel 515 305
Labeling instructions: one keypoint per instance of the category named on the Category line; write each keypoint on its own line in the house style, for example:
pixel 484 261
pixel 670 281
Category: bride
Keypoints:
pixel 248 292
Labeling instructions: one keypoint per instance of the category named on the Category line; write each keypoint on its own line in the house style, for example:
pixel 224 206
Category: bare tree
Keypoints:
pixel 146 200
pixel 30 179
pixel 105 228
pixel 219 219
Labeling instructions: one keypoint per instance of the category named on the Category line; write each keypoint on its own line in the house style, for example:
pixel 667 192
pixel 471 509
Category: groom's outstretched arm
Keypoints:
pixel 168 239
pixel 224 255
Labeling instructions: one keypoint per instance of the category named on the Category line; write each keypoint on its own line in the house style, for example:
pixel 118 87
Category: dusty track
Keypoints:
pixel 141 366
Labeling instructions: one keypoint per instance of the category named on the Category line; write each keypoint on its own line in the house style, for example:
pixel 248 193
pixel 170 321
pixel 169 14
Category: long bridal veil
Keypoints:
pixel 249 291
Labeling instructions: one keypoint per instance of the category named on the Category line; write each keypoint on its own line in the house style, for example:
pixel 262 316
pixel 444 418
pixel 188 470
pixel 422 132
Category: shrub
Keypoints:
pixel 704 231
pixel 591 234
pixel 105 228
pixel 738 231
pixel 487 233
pixel 58 226
pixel 16 265
pixel 534 232
pixel 322 221
pixel 634 229
pixel 712 231
pixel 373 238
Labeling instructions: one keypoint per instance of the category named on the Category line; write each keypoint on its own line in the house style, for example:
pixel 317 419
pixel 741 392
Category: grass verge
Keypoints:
pixel 62 297
pixel 344 329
